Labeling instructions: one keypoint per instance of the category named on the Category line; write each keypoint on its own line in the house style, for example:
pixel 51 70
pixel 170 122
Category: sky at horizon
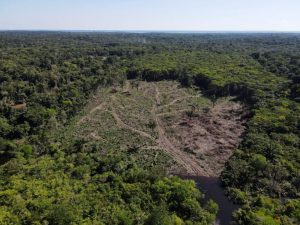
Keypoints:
pixel 156 15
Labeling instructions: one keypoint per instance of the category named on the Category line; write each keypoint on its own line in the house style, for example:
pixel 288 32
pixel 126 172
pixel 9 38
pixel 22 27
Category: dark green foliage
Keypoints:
pixel 47 77
pixel 160 216
pixel 61 215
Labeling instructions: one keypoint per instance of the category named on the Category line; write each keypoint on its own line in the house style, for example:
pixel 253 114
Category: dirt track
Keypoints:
pixel 186 161
pixel 210 136
pixel 122 124
pixel 200 144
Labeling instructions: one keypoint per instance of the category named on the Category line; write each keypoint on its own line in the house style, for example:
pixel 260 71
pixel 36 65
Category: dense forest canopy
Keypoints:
pixel 46 78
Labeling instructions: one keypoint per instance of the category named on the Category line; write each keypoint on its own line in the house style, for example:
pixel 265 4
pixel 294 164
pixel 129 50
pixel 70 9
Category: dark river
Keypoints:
pixel 211 187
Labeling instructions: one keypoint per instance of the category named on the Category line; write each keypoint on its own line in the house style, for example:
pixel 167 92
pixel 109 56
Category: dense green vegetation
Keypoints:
pixel 46 79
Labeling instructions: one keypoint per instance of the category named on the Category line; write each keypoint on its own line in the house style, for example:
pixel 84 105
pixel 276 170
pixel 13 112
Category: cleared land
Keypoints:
pixel 163 124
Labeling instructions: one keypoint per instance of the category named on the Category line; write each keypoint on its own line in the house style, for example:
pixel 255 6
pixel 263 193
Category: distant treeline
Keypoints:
pixel 47 77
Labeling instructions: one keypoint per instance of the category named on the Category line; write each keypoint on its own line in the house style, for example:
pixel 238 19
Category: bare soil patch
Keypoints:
pixel 209 136
pixel 167 125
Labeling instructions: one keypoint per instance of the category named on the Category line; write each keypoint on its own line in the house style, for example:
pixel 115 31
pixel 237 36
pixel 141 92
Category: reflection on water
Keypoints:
pixel 211 187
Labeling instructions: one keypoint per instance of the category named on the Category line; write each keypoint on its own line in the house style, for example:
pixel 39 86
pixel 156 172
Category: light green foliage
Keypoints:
pixel 46 79
pixel 110 190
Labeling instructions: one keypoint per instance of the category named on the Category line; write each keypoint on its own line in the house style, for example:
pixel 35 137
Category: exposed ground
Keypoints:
pixel 160 123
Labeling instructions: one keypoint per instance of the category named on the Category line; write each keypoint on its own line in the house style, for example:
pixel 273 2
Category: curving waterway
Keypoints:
pixel 212 188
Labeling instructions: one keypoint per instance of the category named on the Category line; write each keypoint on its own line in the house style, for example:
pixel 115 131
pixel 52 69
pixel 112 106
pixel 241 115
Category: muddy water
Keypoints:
pixel 212 189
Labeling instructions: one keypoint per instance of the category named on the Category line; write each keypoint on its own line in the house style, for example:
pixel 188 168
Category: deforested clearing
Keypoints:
pixel 168 124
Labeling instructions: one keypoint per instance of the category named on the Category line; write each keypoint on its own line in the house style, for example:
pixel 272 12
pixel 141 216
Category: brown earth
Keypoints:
pixel 209 137
pixel 200 138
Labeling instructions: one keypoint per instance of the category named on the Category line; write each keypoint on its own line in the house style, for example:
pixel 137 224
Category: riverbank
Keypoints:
pixel 212 188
